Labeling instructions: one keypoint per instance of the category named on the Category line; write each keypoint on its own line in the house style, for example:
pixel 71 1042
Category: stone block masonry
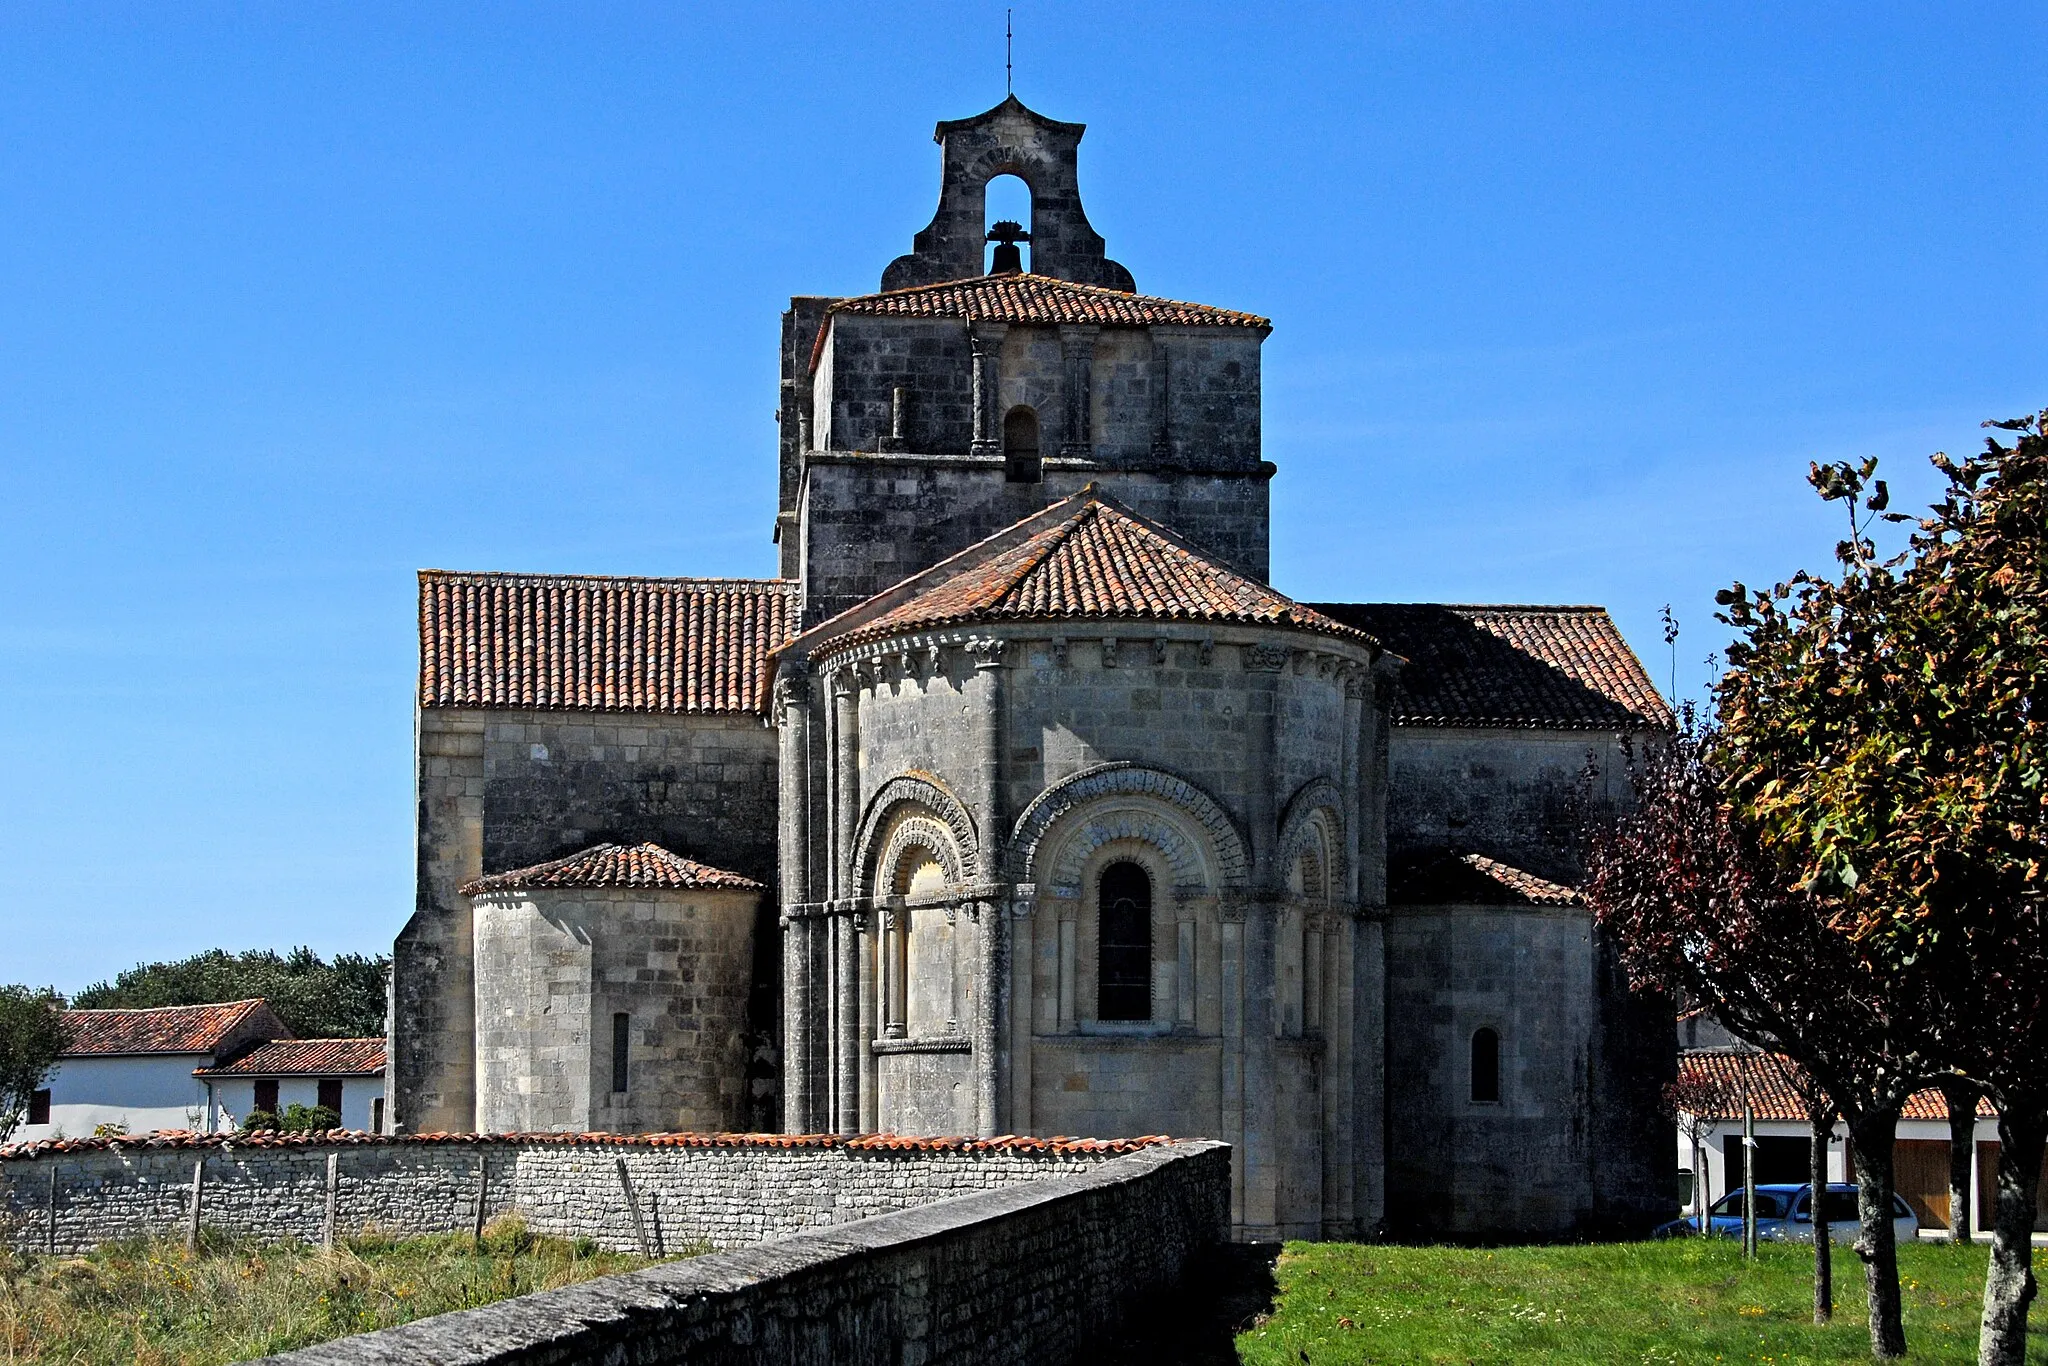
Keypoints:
pixel 1036 1272
pixel 725 1190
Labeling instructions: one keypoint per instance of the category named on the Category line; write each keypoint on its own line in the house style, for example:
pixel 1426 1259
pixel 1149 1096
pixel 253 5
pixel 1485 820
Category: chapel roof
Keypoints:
pixel 1086 557
pixel 1545 668
pixel 304 1058
pixel 166 1029
pixel 617 865
pixel 1444 878
pixel 1040 299
pixel 1771 1083
pixel 590 643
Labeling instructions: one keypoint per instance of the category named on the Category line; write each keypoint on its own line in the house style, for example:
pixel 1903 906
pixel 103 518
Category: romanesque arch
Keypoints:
pixel 915 810
pixel 1315 822
pixel 1122 801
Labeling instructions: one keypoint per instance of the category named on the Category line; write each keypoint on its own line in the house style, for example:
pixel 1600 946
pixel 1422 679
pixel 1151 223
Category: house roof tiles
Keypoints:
pixel 1770 1082
pixel 1090 558
pixel 614 865
pixel 305 1058
pixel 168 1029
pixel 1554 668
pixel 1451 879
pixel 863 1143
pixel 1041 299
pixel 588 643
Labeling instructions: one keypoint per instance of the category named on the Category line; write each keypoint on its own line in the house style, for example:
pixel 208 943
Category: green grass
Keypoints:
pixel 1683 1301
pixel 150 1302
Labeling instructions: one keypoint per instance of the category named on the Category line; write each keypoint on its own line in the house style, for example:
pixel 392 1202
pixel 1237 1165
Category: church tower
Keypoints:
pixel 963 397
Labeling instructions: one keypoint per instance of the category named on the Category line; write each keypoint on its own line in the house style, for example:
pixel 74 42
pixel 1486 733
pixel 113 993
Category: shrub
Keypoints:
pixel 257 1120
pixel 303 1119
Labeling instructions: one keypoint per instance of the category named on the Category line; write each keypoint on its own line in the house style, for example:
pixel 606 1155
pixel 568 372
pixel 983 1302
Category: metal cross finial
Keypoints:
pixel 1006 52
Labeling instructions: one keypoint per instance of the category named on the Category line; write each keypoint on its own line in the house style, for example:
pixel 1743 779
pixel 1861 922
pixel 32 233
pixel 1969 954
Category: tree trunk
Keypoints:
pixel 1823 1243
pixel 1876 1242
pixel 1961 1097
pixel 2009 1281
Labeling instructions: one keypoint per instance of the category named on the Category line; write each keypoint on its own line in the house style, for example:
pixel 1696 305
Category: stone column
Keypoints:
pixel 986 339
pixel 867 945
pixel 1263 666
pixel 1162 402
pixel 845 1053
pixel 991 1000
pixel 1230 993
pixel 792 707
pixel 1077 349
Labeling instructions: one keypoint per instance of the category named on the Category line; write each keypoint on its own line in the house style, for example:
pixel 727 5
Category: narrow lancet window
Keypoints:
pixel 1485 1067
pixel 1020 446
pixel 622 1033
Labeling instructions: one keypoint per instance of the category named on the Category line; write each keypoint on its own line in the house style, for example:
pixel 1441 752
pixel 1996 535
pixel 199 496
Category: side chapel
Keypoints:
pixel 1020 802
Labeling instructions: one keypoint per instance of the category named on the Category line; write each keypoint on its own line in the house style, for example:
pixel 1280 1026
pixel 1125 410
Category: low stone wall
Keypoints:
pixel 725 1190
pixel 1037 1272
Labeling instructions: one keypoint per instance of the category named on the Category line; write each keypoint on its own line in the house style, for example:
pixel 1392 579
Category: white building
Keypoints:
pixel 345 1075
pixel 1784 1142
pixel 134 1068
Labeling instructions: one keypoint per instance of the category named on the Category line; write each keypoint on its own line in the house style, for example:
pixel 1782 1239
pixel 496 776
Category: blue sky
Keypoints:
pixel 297 299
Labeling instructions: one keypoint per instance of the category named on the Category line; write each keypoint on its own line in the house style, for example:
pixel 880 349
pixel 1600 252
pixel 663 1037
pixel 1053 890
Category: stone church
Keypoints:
pixel 1020 802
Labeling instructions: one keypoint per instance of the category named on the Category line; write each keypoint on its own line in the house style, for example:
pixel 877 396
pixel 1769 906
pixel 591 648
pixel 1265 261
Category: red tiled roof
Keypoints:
pixel 305 1058
pixel 1040 299
pixel 1553 668
pixel 615 865
pixel 168 1029
pixel 1448 879
pixel 1772 1093
pixel 864 1143
pixel 585 643
pixel 1095 560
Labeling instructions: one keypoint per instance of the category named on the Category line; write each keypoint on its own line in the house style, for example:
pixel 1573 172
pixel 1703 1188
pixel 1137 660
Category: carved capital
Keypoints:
pixel 792 689
pixel 986 653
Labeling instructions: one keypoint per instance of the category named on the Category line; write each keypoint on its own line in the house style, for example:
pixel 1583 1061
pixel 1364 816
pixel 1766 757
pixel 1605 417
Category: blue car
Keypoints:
pixel 1784 1214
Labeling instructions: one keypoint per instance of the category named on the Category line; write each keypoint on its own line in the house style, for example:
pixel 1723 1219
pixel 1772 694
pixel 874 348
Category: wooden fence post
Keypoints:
pixel 333 1189
pixel 633 1208
pixel 50 1230
pixel 476 1233
pixel 198 1195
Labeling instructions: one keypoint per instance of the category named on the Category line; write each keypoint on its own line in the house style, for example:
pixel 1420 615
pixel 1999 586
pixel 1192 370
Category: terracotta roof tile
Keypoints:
pixel 1098 562
pixel 305 1058
pixel 1553 668
pixel 586 643
pixel 615 865
pixel 1040 299
pixel 1449 879
pixel 170 1029
pixel 1773 1095
pixel 864 1143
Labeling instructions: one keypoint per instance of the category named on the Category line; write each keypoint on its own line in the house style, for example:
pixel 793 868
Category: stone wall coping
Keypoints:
pixel 1022 1145
pixel 580 1322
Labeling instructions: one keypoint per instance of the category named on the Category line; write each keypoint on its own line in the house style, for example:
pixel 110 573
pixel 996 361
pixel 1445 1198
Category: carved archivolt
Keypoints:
pixel 1195 836
pixel 1314 824
pixel 936 820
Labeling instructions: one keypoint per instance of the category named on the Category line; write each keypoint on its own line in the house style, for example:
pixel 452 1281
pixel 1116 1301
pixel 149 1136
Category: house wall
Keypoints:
pixel 143 1094
pixel 235 1097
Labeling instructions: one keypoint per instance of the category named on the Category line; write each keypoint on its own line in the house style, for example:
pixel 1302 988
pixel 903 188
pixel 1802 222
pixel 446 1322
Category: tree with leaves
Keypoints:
pixel 1700 911
pixel 1884 731
pixel 32 1036
pixel 317 999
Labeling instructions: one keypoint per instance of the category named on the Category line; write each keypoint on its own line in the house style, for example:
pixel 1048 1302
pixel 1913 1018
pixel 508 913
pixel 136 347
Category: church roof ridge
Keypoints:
pixel 1086 557
pixel 617 865
pixel 546 576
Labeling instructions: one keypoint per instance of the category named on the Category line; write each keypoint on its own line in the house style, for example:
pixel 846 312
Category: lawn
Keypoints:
pixel 152 1303
pixel 1682 1301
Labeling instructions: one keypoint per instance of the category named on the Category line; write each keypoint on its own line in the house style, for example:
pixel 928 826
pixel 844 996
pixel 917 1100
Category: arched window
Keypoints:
pixel 1020 446
pixel 1124 978
pixel 1485 1067
pixel 1006 203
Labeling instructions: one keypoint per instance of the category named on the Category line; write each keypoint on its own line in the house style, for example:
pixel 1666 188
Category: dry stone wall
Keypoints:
pixel 1037 1272
pixel 686 1189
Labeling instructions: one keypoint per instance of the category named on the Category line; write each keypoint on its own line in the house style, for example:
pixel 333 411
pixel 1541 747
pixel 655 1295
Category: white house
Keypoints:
pixel 1783 1136
pixel 134 1068
pixel 345 1075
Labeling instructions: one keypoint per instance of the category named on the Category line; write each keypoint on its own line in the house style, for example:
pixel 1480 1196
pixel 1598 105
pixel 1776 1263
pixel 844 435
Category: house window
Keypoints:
pixel 266 1095
pixel 1124 978
pixel 1485 1067
pixel 622 1029
pixel 1020 446
pixel 330 1093
pixel 39 1106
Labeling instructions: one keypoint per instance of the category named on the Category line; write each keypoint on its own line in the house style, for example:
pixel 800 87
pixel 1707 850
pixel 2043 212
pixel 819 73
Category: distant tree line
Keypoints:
pixel 342 998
